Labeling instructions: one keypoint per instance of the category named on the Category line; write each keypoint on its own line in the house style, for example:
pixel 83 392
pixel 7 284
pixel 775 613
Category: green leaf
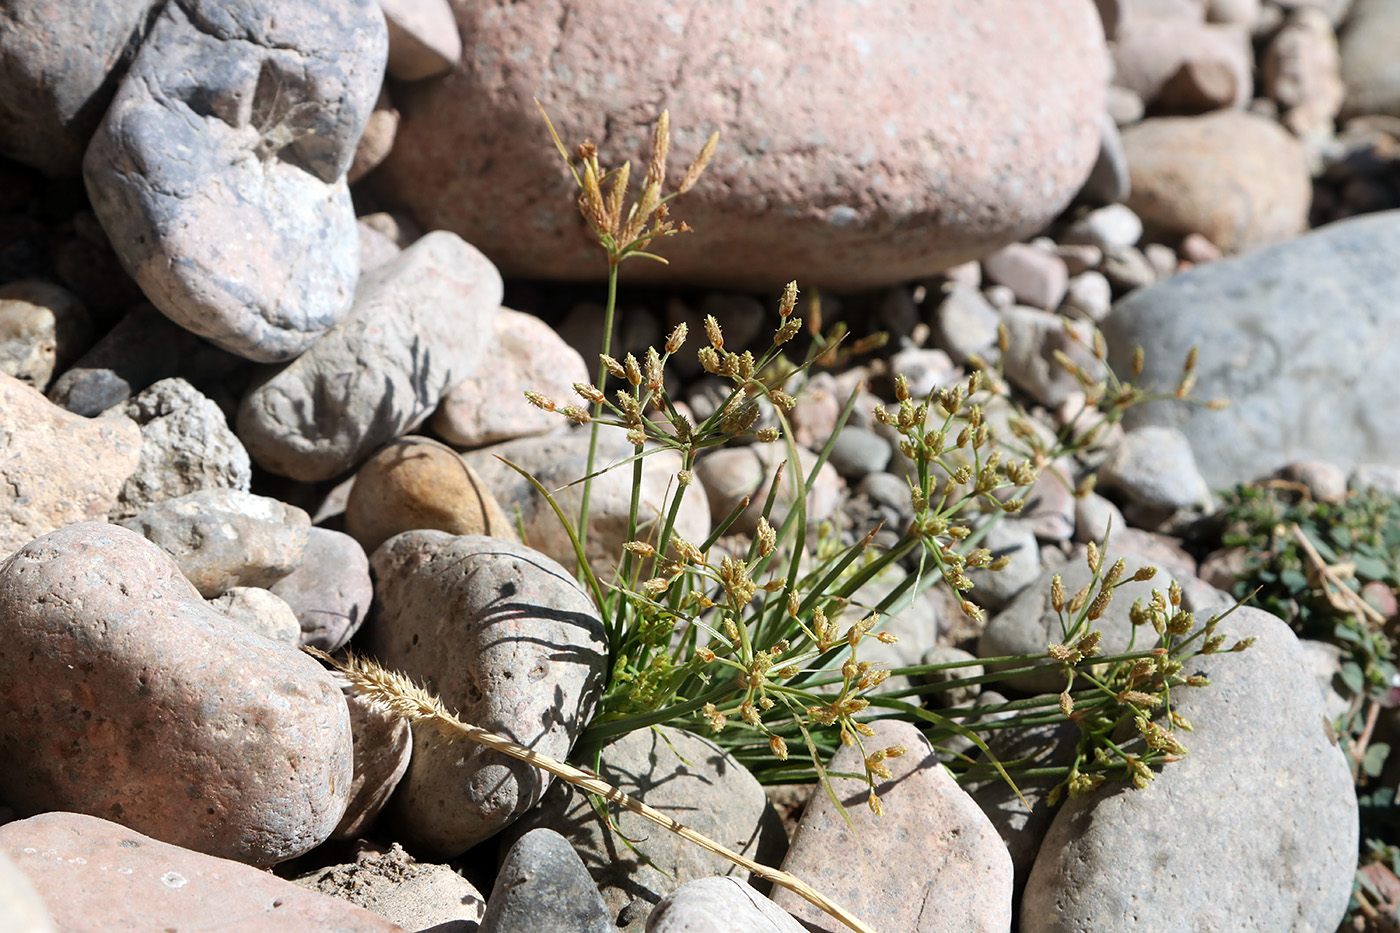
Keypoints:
pixel 1352 677
pixel 1376 754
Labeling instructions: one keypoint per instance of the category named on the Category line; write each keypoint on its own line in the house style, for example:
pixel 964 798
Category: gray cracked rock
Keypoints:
pixel 241 115
pixel 418 326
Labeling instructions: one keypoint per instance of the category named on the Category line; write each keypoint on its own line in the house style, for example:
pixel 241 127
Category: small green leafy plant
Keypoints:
pixel 1310 563
pixel 763 646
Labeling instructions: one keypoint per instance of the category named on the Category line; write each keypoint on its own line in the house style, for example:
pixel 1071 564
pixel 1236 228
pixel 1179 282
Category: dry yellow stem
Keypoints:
pixel 397 694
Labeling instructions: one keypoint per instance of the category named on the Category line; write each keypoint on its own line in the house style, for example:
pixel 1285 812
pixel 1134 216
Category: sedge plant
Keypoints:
pixel 762 639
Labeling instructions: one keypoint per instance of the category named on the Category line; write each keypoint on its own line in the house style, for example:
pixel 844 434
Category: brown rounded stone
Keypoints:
pixel 1237 179
pixel 418 483
pixel 860 144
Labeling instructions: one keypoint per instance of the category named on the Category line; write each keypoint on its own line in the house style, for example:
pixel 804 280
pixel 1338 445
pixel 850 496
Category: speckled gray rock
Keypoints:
pixel 143 348
pixel 1269 334
pixel 419 325
pixel 186 446
pixel 719 905
pixel 1266 792
pixel 57 75
pixel 947 654
pixel 55 467
pixel 1154 466
pixel 129 697
pixel 518 623
pixel 542 887
pixel 222 538
pixel 43 328
pixel 888 162
pixel 1028 624
pixel 241 116
pixel 680 774
pixel 933 862
pixel 21 909
pixel 98 875
pixel 260 611
pixel 559 459
pixel 414 895
pixel 330 590
pixel 490 406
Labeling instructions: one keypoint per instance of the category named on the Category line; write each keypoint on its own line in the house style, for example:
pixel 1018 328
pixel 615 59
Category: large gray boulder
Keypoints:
pixel 1256 828
pixel 1302 338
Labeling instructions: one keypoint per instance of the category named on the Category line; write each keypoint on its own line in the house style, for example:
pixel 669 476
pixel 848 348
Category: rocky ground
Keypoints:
pixel 273 281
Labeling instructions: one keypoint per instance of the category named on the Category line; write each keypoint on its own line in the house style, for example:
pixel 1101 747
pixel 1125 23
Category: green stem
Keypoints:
pixel 608 310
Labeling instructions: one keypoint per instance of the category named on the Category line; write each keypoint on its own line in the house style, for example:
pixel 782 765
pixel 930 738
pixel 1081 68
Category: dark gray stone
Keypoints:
pixel 1302 339
pixel 59 68
pixel 542 887
pixel 419 323
pixel 1263 794
pixel 218 171
pixel 684 776
pixel 506 638
pixel 143 348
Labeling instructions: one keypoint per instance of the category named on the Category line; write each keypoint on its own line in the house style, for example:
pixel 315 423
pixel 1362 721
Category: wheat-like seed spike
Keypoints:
pixel 401 696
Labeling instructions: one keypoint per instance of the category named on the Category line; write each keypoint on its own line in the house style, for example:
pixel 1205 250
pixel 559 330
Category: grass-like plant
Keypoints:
pixel 762 645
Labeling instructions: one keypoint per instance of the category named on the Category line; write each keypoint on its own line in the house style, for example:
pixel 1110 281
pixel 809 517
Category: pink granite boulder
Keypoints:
pixel 124 695
pixel 97 875
pixel 861 144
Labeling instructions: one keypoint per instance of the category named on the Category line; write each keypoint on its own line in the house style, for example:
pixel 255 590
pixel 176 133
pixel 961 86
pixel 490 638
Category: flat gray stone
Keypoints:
pixel 1279 332
pixel 419 325
pixel 683 775
pixel 1263 795
pixel 330 590
pixel 719 905
pixel 222 538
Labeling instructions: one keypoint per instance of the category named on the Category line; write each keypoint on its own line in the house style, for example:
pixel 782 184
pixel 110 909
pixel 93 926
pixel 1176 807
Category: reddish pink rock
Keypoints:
pixel 123 694
pixel 490 406
pixel 861 144
pixel 57 467
pixel 97 875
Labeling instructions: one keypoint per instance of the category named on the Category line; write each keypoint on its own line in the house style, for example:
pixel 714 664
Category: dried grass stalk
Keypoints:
pixel 397 694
